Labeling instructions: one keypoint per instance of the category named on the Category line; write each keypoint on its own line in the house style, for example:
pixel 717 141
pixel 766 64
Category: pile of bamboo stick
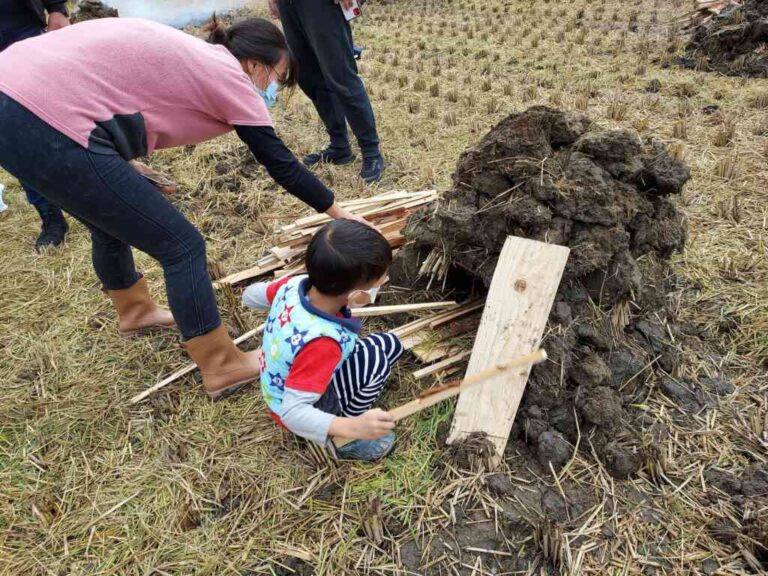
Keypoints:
pixel 429 339
pixel 388 212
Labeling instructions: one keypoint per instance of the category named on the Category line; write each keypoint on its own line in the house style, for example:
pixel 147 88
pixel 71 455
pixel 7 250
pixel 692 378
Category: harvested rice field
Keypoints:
pixel 640 448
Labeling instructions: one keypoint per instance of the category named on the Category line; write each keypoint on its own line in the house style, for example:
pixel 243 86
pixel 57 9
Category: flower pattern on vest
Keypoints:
pixel 277 381
pixel 285 316
pixel 296 340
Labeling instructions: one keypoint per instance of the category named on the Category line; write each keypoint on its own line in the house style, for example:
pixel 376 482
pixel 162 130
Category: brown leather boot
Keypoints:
pixel 225 368
pixel 137 312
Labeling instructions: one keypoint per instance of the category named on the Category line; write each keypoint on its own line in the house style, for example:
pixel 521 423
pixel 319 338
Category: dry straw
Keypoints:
pixel 178 485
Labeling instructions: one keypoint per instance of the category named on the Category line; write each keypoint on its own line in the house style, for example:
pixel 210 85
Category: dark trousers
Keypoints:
pixel 321 40
pixel 121 209
pixel 8 37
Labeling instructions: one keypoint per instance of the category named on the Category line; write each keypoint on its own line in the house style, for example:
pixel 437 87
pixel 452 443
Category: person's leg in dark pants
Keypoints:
pixel 120 207
pixel 329 36
pixel 312 83
pixel 126 210
pixel 54 226
pixel 123 209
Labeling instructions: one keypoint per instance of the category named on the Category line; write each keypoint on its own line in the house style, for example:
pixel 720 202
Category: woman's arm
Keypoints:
pixel 291 174
pixel 284 168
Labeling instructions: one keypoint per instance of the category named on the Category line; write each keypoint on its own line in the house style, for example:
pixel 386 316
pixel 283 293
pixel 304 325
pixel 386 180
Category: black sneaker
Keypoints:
pixel 373 168
pixel 54 226
pixel 330 155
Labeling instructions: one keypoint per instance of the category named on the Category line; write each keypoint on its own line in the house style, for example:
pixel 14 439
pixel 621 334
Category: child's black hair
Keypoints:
pixel 345 254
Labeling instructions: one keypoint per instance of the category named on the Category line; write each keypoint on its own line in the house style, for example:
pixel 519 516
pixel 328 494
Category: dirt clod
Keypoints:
pixel 554 448
pixel 590 371
pixel 733 42
pixel 653 86
pixel 499 484
pixel 710 566
pixel 92 9
pixel 472 453
pixel 680 394
pixel 723 480
pixel 719 385
pixel 601 406
pixel 621 461
pixel 754 481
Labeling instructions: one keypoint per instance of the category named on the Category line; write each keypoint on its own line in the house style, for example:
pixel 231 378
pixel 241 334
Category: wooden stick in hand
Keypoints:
pixel 438 394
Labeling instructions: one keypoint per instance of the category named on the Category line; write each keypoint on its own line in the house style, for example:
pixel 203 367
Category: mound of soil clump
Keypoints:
pixel 91 10
pixel 734 41
pixel 553 176
pixel 625 373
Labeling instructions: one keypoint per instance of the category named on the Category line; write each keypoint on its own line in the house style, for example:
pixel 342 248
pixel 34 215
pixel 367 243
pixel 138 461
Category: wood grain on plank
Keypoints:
pixel 522 291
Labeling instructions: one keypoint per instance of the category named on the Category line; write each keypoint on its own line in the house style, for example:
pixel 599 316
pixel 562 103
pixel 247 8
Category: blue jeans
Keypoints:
pixel 120 208
pixel 7 38
pixel 321 40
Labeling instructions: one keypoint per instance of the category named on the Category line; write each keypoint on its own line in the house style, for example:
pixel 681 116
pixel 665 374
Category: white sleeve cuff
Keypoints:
pixel 255 296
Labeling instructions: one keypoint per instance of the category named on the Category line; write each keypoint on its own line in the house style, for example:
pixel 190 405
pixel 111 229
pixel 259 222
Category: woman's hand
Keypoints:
pixel 338 213
pixel 162 183
pixel 56 21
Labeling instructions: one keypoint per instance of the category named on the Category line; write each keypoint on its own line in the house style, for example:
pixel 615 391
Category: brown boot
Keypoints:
pixel 137 312
pixel 224 367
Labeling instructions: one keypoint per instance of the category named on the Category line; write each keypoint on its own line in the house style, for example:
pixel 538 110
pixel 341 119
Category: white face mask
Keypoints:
pixel 372 293
pixel 355 297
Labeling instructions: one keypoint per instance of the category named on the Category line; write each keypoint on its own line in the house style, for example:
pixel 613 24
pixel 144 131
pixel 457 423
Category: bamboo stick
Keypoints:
pixel 442 365
pixel 400 308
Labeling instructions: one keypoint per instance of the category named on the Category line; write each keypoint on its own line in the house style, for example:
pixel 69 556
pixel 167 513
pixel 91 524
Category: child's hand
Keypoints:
pixel 373 424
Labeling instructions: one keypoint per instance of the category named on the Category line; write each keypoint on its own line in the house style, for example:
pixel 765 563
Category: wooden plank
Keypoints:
pixel 430 352
pixel 413 340
pixel 394 226
pixel 421 324
pixel 464 311
pixel 367 205
pixel 522 291
pixel 288 254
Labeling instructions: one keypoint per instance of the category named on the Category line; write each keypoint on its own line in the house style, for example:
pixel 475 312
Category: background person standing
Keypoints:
pixel 19 20
pixel 321 41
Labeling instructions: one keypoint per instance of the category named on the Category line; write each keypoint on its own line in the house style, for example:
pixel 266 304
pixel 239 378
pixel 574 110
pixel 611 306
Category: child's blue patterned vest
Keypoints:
pixel 292 324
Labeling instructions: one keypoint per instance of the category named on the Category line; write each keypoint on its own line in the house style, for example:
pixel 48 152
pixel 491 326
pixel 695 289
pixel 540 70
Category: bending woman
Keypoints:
pixel 78 105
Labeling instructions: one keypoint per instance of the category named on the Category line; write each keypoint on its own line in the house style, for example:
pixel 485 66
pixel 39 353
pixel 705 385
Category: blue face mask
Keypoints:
pixel 270 94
